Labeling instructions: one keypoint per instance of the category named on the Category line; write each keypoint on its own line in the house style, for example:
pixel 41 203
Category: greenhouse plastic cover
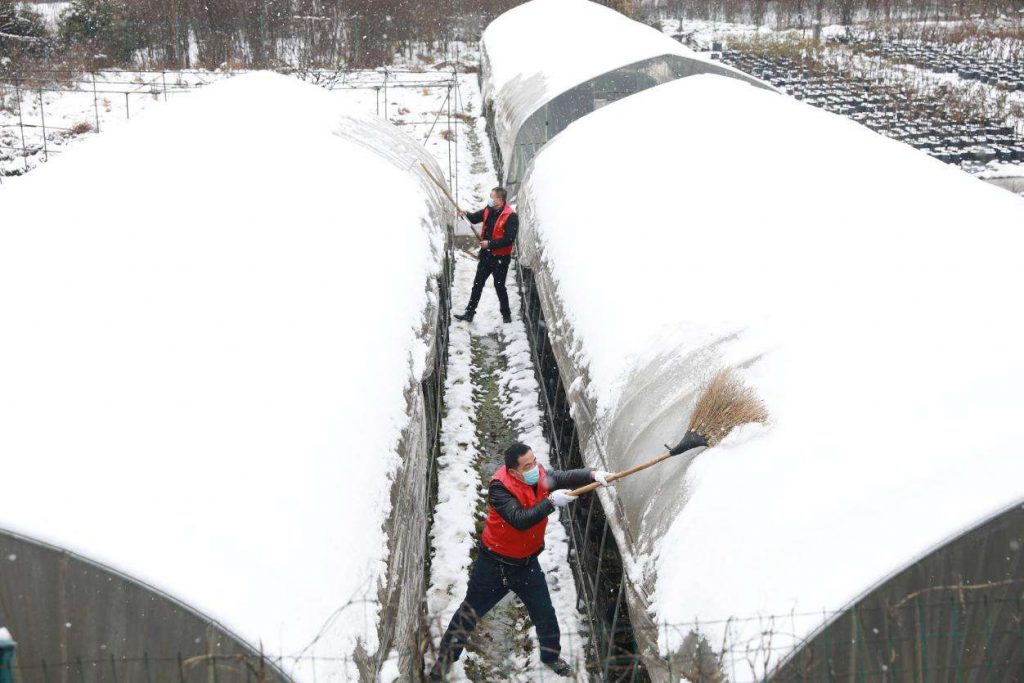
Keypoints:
pixel 542 48
pixel 868 293
pixel 216 322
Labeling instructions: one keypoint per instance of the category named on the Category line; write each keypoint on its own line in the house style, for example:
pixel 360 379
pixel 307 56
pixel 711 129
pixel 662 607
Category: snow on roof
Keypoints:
pixel 211 320
pixel 542 48
pixel 864 289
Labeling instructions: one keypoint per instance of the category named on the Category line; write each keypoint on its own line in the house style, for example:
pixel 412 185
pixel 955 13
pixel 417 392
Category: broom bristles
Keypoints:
pixel 725 403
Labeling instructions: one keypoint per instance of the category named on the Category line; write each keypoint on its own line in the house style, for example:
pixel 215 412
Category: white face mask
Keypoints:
pixel 490 202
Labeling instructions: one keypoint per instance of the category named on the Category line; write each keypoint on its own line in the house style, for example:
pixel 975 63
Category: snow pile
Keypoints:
pixel 542 48
pixel 567 42
pixel 865 290
pixel 215 334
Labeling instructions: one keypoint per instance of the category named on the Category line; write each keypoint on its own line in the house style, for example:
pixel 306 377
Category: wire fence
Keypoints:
pixel 30 101
pixel 36 119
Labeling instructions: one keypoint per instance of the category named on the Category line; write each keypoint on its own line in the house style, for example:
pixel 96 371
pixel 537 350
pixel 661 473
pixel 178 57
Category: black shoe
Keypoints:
pixel 467 316
pixel 435 672
pixel 560 667
pixel 506 317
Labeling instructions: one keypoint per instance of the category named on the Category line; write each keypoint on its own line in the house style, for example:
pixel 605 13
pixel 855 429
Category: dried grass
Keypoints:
pixel 725 403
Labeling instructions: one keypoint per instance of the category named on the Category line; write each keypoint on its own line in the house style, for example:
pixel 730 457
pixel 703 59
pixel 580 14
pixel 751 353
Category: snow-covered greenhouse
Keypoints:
pixel 216 382
pixel 546 63
pixel 866 293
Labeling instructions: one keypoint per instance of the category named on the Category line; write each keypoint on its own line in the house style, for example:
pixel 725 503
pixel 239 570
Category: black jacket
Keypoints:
pixel 511 228
pixel 520 518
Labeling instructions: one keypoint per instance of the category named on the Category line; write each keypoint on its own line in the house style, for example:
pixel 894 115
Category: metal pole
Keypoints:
pixel 127 113
pixel 95 102
pixel 457 136
pixel 42 116
pixel 450 135
pixel 385 93
pixel 615 619
pixel 163 75
pixel 21 123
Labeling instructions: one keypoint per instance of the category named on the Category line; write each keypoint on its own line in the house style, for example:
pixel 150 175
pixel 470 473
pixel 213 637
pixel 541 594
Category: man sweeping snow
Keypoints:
pixel 521 496
pixel 501 224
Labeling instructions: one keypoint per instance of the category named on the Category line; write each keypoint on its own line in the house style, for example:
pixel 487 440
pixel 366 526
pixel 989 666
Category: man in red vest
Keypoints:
pixel 501 224
pixel 521 496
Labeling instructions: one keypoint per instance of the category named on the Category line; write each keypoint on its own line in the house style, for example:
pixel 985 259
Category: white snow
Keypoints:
pixel 531 40
pixel 453 531
pixel 203 385
pixel 868 291
pixel 50 11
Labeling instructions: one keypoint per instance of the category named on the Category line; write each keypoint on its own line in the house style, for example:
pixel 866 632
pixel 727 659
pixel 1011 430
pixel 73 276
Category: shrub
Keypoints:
pixel 22 31
pixel 103 27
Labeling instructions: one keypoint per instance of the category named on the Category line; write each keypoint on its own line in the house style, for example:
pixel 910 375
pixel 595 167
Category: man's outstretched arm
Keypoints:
pixel 475 216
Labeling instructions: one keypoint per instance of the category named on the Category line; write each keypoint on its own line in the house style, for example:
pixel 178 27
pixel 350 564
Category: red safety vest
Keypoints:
pixel 500 536
pixel 499 228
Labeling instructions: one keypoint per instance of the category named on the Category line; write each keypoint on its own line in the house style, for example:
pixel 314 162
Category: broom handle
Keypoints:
pixel 449 196
pixel 619 475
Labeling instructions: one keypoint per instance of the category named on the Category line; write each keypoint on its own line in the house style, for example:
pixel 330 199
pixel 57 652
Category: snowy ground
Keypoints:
pixel 702 33
pixel 706 35
pixel 70 107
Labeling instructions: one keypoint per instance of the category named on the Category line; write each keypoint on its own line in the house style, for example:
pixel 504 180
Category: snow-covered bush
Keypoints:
pixel 102 27
pixel 22 33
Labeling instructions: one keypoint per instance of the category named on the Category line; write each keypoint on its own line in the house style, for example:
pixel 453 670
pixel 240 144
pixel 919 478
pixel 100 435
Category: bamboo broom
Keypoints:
pixel 725 402
pixel 444 188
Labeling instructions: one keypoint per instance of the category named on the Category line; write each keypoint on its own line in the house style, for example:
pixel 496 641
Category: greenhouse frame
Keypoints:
pixel 581 285
pixel 110 572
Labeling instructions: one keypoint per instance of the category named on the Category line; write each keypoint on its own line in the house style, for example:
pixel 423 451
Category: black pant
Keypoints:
pixel 489 582
pixel 490 265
